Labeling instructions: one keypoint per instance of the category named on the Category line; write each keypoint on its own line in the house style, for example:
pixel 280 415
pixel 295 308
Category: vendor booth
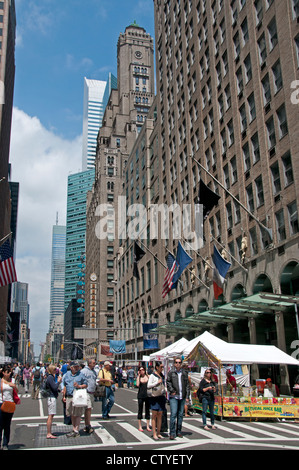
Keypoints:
pixel 243 399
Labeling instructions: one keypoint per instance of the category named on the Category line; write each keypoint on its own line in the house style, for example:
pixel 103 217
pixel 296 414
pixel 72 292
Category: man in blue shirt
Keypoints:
pixel 91 378
pixel 73 380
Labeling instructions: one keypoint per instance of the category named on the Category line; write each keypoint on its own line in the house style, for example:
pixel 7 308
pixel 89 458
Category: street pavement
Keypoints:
pixel 120 433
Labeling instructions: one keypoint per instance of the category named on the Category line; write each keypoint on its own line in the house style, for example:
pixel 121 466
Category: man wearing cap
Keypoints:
pixel 105 378
pixel 73 379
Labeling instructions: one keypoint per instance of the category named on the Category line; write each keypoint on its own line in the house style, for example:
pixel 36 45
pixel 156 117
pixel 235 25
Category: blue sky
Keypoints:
pixel 59 42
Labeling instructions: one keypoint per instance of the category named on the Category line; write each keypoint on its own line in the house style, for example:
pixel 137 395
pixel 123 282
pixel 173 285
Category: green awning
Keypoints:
pixel 243 308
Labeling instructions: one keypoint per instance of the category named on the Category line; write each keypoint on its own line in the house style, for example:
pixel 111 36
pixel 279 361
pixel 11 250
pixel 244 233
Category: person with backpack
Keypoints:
pixel 36 378
pixel 52 386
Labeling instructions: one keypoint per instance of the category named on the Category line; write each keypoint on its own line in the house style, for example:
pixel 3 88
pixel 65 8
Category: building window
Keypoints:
pixel 272 31
pixel 293 218
pixel 275 178
pixel 259 191
pixel 271 133
pixel 282 121
pixel 281 232
pixel 277 76
pixel 288 170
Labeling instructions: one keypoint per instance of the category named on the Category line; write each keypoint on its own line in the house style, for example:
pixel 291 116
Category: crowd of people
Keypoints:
pixel 80 385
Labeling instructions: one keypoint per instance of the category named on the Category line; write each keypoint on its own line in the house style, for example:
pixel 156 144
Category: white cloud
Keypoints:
pixel 41 162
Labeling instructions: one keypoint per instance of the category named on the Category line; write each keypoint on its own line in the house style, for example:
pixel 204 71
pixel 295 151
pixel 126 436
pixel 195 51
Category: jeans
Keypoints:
pixel 205 405
pixel 176 414
pixel 108 402
pixel 5 422
pixel 130 382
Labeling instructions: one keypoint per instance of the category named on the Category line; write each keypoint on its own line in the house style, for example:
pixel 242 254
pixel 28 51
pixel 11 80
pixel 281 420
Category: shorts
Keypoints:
pixel 90 400
pixel 52 401
pixel 71 410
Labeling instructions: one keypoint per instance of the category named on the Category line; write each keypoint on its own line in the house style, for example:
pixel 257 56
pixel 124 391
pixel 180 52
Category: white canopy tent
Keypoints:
pixel 171 350
pixel 236 353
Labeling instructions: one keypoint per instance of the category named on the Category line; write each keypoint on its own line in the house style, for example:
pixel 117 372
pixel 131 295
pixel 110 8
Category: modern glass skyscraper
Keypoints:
pixel 93 111
pixel 57 279
pixel 78 186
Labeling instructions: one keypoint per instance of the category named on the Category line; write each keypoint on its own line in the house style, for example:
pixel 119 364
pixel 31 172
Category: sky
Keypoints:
pixel 58 43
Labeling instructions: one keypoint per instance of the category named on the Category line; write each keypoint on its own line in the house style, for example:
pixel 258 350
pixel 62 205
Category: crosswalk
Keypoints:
pixel 121 431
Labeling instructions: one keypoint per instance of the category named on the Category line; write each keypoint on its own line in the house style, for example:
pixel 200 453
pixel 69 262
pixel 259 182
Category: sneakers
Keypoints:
pixel 73 434
pixel 88 429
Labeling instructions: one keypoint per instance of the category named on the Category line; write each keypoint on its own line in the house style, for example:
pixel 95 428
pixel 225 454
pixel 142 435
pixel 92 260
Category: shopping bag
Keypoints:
pixel 80 397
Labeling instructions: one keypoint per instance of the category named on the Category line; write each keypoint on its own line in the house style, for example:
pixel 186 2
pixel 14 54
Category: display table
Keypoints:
pixel 253 407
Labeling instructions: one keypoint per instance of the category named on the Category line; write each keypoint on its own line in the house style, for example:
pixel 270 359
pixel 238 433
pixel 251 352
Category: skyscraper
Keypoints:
pixel 78 186
pixel 57 279
pixel 93 111
pixel 125 113
pixel 7 77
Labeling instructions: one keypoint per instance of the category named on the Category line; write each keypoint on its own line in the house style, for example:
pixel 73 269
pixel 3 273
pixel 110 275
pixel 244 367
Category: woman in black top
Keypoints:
pixel 53 388
pixel 208 388
pixel 141 383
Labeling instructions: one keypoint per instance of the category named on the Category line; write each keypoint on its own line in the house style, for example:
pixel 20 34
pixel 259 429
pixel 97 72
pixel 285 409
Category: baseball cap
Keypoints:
pixel 107 363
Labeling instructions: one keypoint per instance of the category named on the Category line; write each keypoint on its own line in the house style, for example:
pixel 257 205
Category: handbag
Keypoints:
pixel 7 406
pixel 100 389
pixel 16 398
pixel 157 391
pixel 80 397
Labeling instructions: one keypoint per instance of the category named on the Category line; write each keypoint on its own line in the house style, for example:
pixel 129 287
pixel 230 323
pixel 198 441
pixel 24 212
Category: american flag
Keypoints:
pixel 7 266
pixel 171 265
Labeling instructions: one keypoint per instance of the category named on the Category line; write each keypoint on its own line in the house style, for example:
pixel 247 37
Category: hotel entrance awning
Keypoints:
pixel 243 308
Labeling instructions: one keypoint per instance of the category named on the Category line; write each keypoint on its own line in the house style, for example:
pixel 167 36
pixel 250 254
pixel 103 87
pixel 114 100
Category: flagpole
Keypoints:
pixel 269 231
pixel 198 254
pixel 187 270
pixel 246 270
pixel 3 239
pixel 153 254
pixel 207 287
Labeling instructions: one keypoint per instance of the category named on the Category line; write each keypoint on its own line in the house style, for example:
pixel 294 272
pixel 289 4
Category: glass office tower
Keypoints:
pixel 78 186
pixel 57 279
pixel 93 111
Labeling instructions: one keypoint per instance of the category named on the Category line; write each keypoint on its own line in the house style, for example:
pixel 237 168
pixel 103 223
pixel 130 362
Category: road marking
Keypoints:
pixel 106 438
pixel 138 434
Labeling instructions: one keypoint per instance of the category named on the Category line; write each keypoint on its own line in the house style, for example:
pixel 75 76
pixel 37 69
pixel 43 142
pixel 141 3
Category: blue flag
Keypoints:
pixel 117 347
pixel 150 340
pixel 182 261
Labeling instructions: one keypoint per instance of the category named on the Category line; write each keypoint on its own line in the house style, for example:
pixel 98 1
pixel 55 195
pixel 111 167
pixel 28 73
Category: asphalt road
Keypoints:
pixel 119 436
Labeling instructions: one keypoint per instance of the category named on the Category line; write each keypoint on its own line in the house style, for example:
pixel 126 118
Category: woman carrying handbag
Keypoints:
pixel 7 404
pixel 156 392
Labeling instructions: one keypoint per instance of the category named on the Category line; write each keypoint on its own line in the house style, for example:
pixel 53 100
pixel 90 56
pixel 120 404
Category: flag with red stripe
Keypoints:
pixel 7 265
pixel 171 265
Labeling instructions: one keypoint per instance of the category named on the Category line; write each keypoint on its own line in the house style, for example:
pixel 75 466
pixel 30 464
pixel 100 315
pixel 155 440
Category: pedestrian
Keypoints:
pixel 52 385
pixel 36 379
pixel 91 378
pixel 7 401
pixel 16 374
pixel 105 378
pixel 124 376
pixel 130 377
pixel 178 387
pixel 26 377
pixel 207 388
pixel 157 403
pixel 186 408
pixel 141 382
pixel 120 377
pixel 71 381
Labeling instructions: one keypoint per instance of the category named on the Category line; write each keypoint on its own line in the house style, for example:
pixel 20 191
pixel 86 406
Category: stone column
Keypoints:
pixel 281 344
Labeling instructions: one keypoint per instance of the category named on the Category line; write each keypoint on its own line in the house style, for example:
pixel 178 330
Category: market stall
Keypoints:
pixel 245 399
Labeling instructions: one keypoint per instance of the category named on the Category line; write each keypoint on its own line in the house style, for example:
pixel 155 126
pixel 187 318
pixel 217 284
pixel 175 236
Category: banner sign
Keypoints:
pixel 150 340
